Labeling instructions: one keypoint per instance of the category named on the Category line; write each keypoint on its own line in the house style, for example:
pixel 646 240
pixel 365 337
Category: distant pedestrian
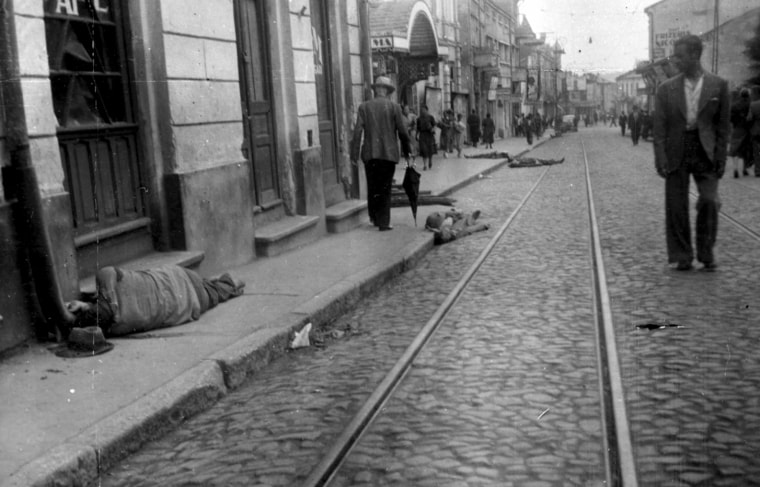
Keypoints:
pixel 634 125
pixel 528 128
pixel 411 128
pixel 426 137
pixel 740 148
pixel 459 130
pixel 489 128
pixel 473 123
pixel 691 138
pixel 754 130
pixel 646 124
pixel 446 124
pixel 613 120
pixel 380 124
pixel 623 120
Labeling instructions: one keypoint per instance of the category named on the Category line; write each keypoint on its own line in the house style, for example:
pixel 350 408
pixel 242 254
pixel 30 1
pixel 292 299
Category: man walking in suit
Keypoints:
pixel 380 125
pixel 691 129
pixel 634 124
pixel 753 120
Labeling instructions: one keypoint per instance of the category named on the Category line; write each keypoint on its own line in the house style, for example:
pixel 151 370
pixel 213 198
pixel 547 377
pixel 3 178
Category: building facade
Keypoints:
pixel 541 78
pixel 723 26
pixel 171 127
pixel 632 91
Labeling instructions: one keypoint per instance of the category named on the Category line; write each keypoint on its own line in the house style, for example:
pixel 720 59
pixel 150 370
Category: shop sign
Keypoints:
pixel 79 8
pixel 663 42
pixel 382 43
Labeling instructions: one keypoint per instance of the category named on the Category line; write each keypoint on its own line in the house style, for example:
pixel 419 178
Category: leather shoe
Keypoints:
pixel 385 229
pixel 684 266
pixel 709 267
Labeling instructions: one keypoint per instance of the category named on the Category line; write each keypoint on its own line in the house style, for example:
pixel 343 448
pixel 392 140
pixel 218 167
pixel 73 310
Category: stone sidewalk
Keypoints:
pixel 70 418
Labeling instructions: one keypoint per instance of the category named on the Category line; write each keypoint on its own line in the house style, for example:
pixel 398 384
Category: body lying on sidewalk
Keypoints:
pixel 136 301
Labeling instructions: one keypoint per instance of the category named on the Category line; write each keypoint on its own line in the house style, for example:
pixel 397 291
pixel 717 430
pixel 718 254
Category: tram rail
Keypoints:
pixel 620 466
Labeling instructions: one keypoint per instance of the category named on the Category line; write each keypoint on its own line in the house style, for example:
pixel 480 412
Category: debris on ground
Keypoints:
pixel 301 338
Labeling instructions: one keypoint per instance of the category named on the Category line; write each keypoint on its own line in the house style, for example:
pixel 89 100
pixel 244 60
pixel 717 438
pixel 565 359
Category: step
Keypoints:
pixel 345 216
pixel 190 259
pixel 286 234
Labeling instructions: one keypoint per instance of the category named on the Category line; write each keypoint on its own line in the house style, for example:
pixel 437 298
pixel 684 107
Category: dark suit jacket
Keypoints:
pixel 754 118
pixel 379 125
pixel 713 122
pixel 634 124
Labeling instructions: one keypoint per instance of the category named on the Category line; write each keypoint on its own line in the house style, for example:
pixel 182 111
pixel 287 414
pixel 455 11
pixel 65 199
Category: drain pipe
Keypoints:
pixel 28 214
pixel 365 48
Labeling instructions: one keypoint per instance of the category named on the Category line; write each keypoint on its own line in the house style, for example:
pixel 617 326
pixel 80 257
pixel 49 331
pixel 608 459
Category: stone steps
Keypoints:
pixel 345 216
pixel 286 234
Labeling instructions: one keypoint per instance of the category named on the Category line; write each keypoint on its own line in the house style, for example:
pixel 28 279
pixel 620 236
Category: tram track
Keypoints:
pixel 620 466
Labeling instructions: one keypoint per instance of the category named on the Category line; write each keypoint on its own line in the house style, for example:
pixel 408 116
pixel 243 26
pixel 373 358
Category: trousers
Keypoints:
pixel 379 181
pixel 677 225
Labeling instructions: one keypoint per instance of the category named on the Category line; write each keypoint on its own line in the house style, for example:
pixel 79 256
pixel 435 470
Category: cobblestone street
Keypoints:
pixel 507 391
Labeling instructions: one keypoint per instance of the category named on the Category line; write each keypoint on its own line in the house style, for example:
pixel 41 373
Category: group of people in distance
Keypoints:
pixel 452 132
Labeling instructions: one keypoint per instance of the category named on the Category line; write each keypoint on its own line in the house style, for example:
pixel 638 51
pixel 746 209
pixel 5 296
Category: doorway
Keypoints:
pixel 256 91
pixel 321 41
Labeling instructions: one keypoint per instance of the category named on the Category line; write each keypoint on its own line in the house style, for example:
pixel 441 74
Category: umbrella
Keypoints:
pixel 411 186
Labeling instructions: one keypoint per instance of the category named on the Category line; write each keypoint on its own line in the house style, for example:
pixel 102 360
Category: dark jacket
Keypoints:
pixel 713 113
pixel 380 122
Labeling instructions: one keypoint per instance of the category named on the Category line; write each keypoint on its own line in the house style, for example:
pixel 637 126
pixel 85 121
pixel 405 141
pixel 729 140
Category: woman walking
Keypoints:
pixel 741 143
pixel 426 137
pixel 489 128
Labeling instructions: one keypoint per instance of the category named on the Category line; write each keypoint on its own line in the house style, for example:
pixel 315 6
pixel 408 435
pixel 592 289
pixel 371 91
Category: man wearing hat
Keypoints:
pixel 379 126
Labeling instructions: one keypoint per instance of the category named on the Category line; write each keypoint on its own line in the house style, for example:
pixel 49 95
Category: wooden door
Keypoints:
pixel 320 30
pixel 257 101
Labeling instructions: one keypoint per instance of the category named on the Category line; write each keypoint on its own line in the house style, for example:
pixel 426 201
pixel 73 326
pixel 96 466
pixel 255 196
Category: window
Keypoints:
pixel 87 72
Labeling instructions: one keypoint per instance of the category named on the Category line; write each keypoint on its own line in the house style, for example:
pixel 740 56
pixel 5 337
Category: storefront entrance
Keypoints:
pixel 97 132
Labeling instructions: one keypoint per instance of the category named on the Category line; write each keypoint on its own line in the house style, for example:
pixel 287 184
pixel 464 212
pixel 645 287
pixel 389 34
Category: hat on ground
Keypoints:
pixel 85 342
pixel 385 82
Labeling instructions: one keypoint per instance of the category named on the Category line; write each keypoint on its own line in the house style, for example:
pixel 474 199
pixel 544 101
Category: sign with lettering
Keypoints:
pixel 87 9
pixel 663 42
pixel 383 43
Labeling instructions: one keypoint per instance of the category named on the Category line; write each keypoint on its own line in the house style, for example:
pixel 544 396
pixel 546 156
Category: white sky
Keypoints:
pixel 618 30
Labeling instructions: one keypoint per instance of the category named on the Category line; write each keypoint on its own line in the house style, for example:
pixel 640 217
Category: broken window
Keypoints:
pixel 85 55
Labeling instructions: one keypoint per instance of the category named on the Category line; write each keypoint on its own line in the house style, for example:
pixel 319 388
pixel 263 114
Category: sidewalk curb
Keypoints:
pixel 495 167
pixel 80 460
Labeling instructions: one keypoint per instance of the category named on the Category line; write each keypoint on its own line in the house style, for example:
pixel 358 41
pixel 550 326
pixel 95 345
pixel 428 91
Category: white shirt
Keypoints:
pixel 692 90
